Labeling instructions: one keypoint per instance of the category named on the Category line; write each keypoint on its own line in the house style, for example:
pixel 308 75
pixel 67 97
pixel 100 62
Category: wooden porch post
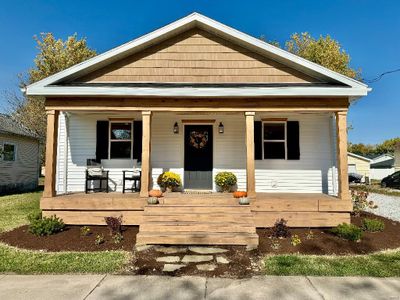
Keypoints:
pixel 250 170
pixel 51 154
pixel 146 150
pixel 341 151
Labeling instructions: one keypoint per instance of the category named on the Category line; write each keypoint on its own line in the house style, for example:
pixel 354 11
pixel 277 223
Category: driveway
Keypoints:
pixel 98 287
pixel 388 206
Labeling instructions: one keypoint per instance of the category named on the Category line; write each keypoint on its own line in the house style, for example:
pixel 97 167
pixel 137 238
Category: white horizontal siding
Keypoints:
pixel 314 172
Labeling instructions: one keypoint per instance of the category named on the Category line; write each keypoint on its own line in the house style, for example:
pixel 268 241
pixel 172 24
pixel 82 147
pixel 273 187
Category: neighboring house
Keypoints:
pixel 359 164
pixel 382 166
pixel 19 160
pixel 197 97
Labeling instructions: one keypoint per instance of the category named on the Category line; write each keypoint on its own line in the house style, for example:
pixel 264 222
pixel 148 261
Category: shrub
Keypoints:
pixel 155 193
pixel 117 238
pixel 169 180
pixel 280 229
pixel 42 226
pixel 295 240
pixel 34 216
pixel 225 180
pixel 99 239
pixel 349 232
pixel 85 230
pixel 373 225
pixel 239 194
pixel 114 224
pixel 360 202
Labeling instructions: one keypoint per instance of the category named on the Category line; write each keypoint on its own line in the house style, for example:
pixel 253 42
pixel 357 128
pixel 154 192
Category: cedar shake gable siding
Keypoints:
pixel 196 56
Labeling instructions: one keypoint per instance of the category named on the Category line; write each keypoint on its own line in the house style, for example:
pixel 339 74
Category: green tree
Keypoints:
pixel 54 55
pixel 387 146
pixel 324 51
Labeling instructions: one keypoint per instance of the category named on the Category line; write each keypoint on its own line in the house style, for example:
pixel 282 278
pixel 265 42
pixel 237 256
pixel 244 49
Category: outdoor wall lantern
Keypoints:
pixel 176 128
pixel 221 127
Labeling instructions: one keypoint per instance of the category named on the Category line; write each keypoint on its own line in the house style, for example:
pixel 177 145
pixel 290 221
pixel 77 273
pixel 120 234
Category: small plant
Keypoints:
pixel 85 231
pixel 239 194
pixel 169 180
pixel 114 224
pixel 372 225
pixel 349 232
pixel 118 238
pixel 310 235
pixel 280 229
pixel 34 216
pixel 360 202
pixel 99 239
pixel 295 240
pixel 42 226
pixel 225 181
pixel 275 244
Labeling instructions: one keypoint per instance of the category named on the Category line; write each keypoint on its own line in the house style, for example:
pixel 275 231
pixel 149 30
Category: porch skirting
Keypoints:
pixel 300 210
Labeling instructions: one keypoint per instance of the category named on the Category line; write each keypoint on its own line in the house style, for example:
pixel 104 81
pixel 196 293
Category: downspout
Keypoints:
pixel 65 179
pixel 333 153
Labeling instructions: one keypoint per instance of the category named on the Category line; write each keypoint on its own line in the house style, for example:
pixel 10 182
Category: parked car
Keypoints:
pixel 355 178
pixel 391 181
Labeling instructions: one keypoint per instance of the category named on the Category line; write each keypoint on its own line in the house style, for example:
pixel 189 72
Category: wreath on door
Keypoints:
pixel 198 139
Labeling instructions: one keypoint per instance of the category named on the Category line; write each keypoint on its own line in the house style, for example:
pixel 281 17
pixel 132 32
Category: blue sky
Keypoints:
pixel 369 30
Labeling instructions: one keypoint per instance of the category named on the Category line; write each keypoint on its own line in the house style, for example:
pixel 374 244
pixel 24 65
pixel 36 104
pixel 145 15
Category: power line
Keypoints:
pixel 381 75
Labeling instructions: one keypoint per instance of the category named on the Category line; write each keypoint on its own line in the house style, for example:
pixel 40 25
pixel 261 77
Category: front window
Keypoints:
pixel 274 140
pixel 121 140
pixel 8 152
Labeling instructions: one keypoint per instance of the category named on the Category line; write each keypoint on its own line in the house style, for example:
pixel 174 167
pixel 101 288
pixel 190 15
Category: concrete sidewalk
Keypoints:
pixel 72 287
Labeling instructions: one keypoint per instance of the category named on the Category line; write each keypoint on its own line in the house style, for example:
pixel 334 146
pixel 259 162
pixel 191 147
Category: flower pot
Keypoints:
pixel 152 200
pixel 168 190
pixel 244 201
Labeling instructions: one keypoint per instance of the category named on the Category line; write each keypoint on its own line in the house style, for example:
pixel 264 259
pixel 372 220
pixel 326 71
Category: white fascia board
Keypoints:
pixel 184 24
pixel 199 92
pixel 359 156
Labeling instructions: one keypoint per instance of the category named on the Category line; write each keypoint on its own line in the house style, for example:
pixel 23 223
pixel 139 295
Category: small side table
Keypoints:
pixel 131 177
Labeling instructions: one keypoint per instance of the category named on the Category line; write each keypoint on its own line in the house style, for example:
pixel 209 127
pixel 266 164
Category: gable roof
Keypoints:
pixel 359 156
pixel 341 85
pixel 10 126
pixel 388 163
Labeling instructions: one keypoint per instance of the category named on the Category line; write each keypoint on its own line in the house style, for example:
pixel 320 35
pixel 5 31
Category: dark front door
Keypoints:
pixel 198 156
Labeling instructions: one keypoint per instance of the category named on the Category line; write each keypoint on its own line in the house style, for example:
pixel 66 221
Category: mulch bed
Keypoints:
pixel 326 243
pixel 70 239
pixel 243 263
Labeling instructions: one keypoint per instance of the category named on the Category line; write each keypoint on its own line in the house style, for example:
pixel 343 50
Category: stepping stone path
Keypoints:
pixel 168 259
pixel 196 258
pixel 206 267
pixel 222 260
pixel 207 250
pixel 172 267
pixel 170 250
pixel 206 259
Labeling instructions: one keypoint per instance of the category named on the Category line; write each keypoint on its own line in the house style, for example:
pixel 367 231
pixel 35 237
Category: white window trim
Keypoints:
pixel 15 151
pixel 116 141
pixel 274 141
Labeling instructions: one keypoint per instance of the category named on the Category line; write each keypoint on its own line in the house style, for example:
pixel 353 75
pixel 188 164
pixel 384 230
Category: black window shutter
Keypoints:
pixel 102 140
pixel 293 140
pixel 258 140
pixel 137 140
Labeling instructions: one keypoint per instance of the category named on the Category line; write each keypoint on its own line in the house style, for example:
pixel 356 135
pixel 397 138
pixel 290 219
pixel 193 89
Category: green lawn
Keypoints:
pixel 385 264
pixel 15 208
pixel 13 212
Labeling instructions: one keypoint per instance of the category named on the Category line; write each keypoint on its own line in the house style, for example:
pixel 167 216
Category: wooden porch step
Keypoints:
pixel 195 222
pixel 193 227
pixel 197 238
pixel 199 201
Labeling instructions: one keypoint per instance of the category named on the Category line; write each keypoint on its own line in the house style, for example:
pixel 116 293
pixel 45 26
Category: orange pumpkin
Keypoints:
pixel 155 193
pixel 239 194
